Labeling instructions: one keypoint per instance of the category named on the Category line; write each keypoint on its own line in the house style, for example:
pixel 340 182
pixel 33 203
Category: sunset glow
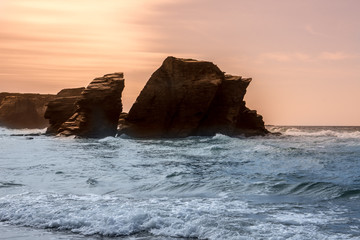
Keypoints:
pixel 303 56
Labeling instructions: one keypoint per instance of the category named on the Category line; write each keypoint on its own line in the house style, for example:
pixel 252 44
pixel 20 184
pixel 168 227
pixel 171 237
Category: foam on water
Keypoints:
pixel 339 132
pixel 203 218
pixel 303 184
pixel 7 132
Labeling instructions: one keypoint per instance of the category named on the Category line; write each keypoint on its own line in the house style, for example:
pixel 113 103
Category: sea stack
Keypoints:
pixel 61 108
pixel 186 97
pixel 97 109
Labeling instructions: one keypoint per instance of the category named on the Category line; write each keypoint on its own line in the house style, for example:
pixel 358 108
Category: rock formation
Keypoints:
pixel 97 109
pixel 26 110
pixel 228 114
pixel 187 97
pixel 184 97
pixel 61 108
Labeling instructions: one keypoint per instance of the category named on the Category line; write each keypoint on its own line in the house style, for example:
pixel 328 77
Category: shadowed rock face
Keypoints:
pixel 186 97
pixel 175 99
pixel 26 110
pixel 61 108
pixel 97 109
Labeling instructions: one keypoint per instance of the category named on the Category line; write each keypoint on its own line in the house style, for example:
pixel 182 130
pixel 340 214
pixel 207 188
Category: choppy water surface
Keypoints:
pixel 304 184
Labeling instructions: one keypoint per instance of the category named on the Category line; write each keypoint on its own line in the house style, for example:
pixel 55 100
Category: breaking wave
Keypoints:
pixel 121 216
pixel 338 132
pixel 303 184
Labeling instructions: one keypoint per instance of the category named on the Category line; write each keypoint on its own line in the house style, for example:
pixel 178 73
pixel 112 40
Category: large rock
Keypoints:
pixel 97 109
pixel 61 108
pixel 19 110
pixel 187 97
pixel 175 99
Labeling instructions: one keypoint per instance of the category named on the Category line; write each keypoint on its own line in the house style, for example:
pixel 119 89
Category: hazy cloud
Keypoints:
pixel 310 29
pixel 286 46
pixel 304 57
pixel 335 56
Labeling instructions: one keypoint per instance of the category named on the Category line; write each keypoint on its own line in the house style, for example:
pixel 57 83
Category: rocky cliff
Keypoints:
pixel 97 109
pixel 19 110
pixel 61 108
pixel 187 97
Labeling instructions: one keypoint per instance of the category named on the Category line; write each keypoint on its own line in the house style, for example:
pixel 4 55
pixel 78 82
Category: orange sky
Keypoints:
pixel 303 55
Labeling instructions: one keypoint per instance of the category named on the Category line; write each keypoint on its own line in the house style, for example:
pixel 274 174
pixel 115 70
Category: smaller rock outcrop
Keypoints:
pixel 97 109
pixel 61 108
pixel 23 110
pixel 228 114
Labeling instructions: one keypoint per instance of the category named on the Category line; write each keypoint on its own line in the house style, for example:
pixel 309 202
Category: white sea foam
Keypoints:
pixel 109 216
pixel 211 218
pixel 323 133
pixel 7 131
pixel 316 132
pixel 221 137
pixel 275 187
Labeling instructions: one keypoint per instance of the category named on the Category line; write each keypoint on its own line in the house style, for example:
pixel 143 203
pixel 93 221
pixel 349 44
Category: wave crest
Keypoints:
pixel 336 132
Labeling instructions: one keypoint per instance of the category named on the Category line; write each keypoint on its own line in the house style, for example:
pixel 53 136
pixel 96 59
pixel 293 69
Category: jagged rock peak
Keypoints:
pixel 97 109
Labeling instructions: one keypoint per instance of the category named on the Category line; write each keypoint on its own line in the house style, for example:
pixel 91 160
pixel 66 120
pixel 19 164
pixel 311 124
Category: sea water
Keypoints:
pixel 303 184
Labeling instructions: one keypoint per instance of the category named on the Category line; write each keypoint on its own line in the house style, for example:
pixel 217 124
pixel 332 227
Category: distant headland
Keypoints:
pixel 184 97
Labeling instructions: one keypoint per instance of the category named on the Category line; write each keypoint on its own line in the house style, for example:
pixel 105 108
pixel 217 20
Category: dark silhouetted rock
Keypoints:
pixel 26 110
pixel 175 99
pixel 249 122
pixel 228 114
pixel 61 108
pixel 187 97
pixel 97 109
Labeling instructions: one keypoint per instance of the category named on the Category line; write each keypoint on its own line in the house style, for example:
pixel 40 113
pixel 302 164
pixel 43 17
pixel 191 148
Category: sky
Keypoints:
pixel 303 55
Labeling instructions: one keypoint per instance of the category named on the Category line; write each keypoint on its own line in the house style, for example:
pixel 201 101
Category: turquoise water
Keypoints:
pixel 304 184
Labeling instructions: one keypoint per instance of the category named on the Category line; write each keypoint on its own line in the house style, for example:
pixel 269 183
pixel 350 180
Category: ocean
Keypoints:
pixel 303 184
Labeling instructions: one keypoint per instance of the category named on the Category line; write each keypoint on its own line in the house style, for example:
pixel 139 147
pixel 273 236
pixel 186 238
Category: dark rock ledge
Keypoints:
pixel 23 110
